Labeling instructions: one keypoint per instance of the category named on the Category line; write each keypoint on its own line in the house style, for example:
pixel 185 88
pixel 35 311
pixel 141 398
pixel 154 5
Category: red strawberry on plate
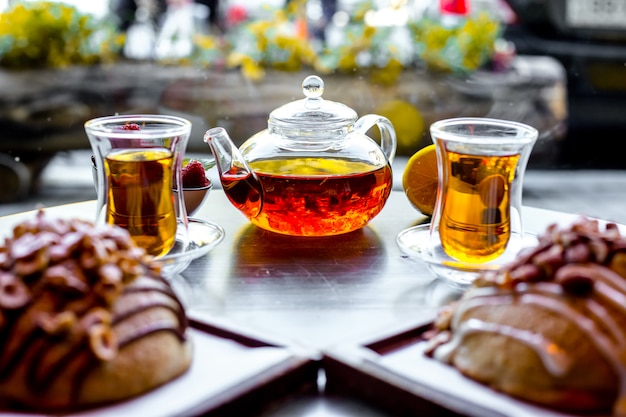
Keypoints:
pixel 194 175
pixel 196 185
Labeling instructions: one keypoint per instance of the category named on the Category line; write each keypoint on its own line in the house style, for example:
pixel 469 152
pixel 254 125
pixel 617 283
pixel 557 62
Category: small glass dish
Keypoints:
pixel 195 198
pixel 203 236
pixel 415 242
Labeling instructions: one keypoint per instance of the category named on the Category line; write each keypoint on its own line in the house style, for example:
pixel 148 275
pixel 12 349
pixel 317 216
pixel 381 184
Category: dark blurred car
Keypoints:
pixel 589 38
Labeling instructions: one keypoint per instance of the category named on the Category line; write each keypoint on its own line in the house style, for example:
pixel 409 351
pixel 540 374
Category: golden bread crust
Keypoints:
pixel 142 366
pixel 511 366
pixel 151 361
pixel 85 318
pixel 549 328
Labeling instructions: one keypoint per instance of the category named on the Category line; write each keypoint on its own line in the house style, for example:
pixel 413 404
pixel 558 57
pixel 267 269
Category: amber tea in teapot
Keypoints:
pixel 313 197
pixel 313 172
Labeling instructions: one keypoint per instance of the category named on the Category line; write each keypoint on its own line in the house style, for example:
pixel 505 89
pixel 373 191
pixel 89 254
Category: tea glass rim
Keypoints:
pixel 524 133
pixel 170 126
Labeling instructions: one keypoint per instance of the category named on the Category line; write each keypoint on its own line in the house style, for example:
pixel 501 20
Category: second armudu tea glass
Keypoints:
pixel 481 166
pixel 139 160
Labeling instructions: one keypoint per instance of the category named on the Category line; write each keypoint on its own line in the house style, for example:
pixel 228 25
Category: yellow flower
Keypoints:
pixel 388 74
pixel 205 42
pixel 51 34
pixel 236 59
pixel 294 8
pixel 362 10
pixel 369 32
pixel 260 27
pixel 348 63
pixel 252 70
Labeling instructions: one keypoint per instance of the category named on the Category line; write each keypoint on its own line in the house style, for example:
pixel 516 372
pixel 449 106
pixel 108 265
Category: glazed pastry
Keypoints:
pixel 550 327
pixel 85 317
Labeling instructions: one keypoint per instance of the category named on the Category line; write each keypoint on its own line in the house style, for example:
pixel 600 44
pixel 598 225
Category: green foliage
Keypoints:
pixel 460 48
pixel 373 50
pixel 51 35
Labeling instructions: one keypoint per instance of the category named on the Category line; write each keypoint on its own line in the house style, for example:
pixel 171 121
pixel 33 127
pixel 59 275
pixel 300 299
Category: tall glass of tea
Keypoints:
pixel 139 165
pixel 481 165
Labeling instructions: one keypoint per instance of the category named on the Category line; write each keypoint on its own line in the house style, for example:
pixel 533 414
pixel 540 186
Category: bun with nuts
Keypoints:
pixel 85 318
pixel 549 328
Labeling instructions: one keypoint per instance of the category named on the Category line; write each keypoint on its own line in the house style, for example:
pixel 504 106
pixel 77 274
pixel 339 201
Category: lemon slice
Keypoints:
pixel 420 179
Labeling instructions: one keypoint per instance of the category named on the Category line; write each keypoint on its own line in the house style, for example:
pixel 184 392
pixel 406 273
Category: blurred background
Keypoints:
pixel 558 65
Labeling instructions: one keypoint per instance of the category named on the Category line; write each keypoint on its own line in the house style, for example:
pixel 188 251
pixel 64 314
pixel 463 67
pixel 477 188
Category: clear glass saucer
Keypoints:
pixel 416 244
pixel 203 236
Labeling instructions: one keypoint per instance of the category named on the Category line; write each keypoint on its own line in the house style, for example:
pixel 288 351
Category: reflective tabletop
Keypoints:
pixel 311 293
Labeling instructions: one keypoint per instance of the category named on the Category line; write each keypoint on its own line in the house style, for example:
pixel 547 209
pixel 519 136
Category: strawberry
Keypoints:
pixel 121 143
pixel 194 175
pixel 130 126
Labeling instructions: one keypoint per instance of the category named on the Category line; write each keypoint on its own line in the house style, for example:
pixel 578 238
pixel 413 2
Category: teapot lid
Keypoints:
pixel 312 112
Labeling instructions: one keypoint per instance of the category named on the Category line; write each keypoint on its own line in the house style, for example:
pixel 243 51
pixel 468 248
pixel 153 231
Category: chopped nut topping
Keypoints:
pixel 102 342
pixel 563 256
pixel 13 293
pixel 57 323
pixel 81 268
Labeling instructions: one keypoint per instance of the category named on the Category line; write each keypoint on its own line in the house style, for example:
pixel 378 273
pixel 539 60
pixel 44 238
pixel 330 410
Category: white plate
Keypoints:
pixel 224 370
pixel 203 236
pixel 395 370
pixel 415 242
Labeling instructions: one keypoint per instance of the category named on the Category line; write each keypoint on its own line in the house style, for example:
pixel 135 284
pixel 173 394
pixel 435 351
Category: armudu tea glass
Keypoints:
pixel 477 221
pixel 139 166
pixel 481 164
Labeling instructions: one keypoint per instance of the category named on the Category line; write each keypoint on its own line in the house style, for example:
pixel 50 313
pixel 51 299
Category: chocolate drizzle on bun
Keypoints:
pixel 550 327
pixel 85 317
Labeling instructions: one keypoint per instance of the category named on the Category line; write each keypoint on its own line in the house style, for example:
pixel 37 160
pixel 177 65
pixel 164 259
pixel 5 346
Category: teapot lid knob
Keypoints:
pixel 313 88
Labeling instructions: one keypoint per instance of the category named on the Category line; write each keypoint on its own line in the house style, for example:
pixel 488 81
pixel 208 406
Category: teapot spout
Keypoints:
pixel 240 183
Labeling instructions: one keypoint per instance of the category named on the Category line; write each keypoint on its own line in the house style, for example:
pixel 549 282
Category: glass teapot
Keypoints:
pixel 313 171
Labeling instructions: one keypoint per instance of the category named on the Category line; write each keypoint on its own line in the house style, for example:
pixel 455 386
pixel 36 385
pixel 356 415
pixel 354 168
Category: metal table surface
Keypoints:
pixel 313 293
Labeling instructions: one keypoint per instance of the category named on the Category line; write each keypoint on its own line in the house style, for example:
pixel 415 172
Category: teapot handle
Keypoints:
pixel 388 141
